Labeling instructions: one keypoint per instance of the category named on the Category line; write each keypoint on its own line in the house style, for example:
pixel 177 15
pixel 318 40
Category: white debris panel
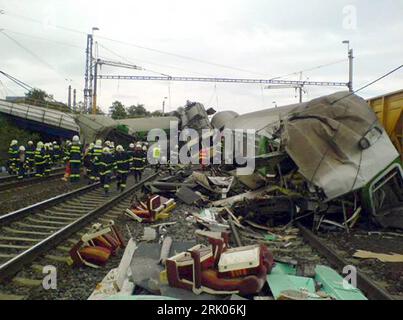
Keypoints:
pixel 337 142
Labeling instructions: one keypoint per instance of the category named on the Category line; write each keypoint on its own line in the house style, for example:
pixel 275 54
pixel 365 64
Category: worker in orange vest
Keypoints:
pixel 203 158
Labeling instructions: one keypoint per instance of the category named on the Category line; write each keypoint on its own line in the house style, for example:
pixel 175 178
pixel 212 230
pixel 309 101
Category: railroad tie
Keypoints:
pixel 25 282
pixel 4 297
pixel 19 239
pixel 35 233
pixel 13 246
pixel 52 217
pixel 47 222
pixel 35 226
pixel 63 214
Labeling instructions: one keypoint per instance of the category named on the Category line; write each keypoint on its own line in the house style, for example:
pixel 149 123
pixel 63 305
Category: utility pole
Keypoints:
pixel 69 98
pixel 74 99
pixel 89 68
pixel 94 100
pixel 163 105
pixel 88 73
pixel 350 65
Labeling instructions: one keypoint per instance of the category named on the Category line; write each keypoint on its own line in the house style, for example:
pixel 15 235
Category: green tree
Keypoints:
pixel 37 96
pixel 118 110
pixel 138 111
pixel 157 114
pixel 40 98
pixel 8 132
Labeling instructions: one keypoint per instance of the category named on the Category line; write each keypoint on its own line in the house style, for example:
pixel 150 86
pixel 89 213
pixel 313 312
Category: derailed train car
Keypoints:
pixel 332 154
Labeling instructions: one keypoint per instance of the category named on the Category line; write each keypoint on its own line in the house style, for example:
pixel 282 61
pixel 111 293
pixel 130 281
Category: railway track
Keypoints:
pixel 30 232
pixel 367 285
pixel 11 182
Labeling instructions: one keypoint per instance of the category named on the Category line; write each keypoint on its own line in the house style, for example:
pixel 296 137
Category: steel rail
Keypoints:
pixel 364 283
pixel 11 182
pixel 12 266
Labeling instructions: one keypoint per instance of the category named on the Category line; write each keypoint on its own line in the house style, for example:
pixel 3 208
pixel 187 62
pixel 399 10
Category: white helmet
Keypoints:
pixel 30 143
pixel 107 143
pixel 39 145
pixel 119 148
pixel 76 139
pixel 131 145
pixel 98 143
pixel 92 145
pixel 54 142
pixel 138 145
pixel 144 148
pixel 105 150
pixel 13 142
pixel 22 148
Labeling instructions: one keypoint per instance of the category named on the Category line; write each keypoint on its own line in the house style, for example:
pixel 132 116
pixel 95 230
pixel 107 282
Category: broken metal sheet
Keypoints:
pixel 229 202
pixel 220 185
pixel 336 286
pixel 338 143
pixel 253 182
pixel 393 257
pixel 187 195
pixel 145 263
pixel 149 234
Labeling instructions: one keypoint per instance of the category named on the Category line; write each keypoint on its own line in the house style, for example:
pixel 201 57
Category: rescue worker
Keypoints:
pixel 203 158
pixel 157 157
pixel 87 160
pixel 138 163
pixel 66 156
pixel 75 158
pixel 112 148
pixel 57 153
pixel 30 154
pixel 40 160
pixel 95 159
pixel 122 167
pixel 48 158
pixel 130 152
pixel 12 157
pixel 21 162
pixel 173 159
pixel 105 169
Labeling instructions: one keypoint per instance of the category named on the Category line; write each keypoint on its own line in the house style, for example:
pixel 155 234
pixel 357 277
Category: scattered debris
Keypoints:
pixel 394 257
pixel 217 269
pixel 155 208
pixel 96 246
pixel 149 234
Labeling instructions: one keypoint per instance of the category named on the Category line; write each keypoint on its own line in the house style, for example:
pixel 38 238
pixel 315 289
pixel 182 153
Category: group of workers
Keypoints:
pixel 100 160
pixel 26 161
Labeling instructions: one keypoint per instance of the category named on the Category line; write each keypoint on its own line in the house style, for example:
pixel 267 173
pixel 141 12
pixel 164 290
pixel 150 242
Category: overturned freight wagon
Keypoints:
pixel 333 152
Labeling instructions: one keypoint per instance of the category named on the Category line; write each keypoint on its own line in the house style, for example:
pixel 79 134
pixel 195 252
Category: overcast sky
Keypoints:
pixel 222 38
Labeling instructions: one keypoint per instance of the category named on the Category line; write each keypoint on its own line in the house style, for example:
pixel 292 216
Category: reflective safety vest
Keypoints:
pixel 40 157
pixel 75 154
pixel 105 164
pixel 13 152
pixel 203 156
pixel 122 162
pixel 139 160
pixel 156 153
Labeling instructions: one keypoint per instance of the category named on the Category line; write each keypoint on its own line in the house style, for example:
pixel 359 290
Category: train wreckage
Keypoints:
pixel 327 163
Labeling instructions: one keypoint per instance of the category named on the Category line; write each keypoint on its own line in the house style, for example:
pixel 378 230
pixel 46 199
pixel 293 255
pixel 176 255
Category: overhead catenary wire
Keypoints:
pixel 33 54
pixel 162 51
